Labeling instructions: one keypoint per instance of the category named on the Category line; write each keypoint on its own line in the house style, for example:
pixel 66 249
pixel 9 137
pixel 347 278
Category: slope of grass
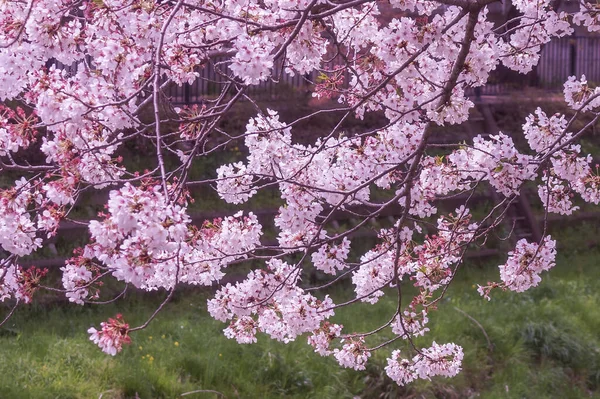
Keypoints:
pixel 544 344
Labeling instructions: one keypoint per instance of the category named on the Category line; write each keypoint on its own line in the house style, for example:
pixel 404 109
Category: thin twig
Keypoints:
pixel 490 344
pixel 204 391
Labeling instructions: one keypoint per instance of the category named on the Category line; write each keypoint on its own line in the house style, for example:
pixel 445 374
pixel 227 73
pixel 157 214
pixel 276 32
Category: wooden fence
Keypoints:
pixel 561 58
pixel 569 56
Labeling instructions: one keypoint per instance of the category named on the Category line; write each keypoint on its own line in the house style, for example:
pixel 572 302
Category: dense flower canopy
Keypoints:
pixel 78 77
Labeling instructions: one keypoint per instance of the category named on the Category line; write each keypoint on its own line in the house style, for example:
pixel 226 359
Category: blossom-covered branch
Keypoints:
pixel 81 82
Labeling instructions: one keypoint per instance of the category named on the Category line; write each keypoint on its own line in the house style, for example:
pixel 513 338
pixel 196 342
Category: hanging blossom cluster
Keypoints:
pixel 571 173
pixel 524 265
pixel 269 301
pixel 10 287
pixel 497 161
pixel 443 360
pixel 85 87
pixel 17 129
pixel 353 354
pixel 148 241
pixel 588 16
pixel 29 212
pixel 112 336
pixel 18 230
pixel 81 279
pixel 428 265
pixel 20 284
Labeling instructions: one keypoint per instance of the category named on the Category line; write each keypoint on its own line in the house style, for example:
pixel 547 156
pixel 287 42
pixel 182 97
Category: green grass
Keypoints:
pixel 545 345
pixel 47 354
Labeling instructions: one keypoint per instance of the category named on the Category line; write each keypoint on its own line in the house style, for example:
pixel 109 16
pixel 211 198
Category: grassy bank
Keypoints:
pixel 544 344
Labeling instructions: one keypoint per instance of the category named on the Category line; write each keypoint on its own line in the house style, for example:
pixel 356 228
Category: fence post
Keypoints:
pixel 572 56
pixel 186 93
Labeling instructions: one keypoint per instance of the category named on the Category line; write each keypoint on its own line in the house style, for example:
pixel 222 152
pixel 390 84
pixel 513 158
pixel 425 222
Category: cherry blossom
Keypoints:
pixel 524 265
pixel 443 360
pixel 579 95
pixel 410 324
pixel 353 354
pixel 86 86
pixel 588 16
pixel 20 284
pixel 112 335
pixel 321 338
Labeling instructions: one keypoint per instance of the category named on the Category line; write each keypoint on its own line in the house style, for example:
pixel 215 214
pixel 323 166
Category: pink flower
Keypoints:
pixel 524 265
pixel 353 354
pixel 112 336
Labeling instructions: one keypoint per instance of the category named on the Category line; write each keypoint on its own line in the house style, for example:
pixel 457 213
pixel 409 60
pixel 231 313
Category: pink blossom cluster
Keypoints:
pixel 19 284
pixel 522 49
pixel 17 129
pixel 353 354
pixel 438 360
pixel 81 279
pixel 112 335
pixel 322 338
pixel 543 132
pixel 17 228
pixel 433 259
pixel 377 266
pixel 523 267
pixel 570 173
pixel 525 264
pixel 588 16
pixel 269 301
pixel 408 87
pixel 580 96
pixel 497 161
pixel 74 279
pixel 28 210
pixel 410 324
pixel 330 258
pixel 556 196
pixel 439 177
pixel 11 287
pixel 147 240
